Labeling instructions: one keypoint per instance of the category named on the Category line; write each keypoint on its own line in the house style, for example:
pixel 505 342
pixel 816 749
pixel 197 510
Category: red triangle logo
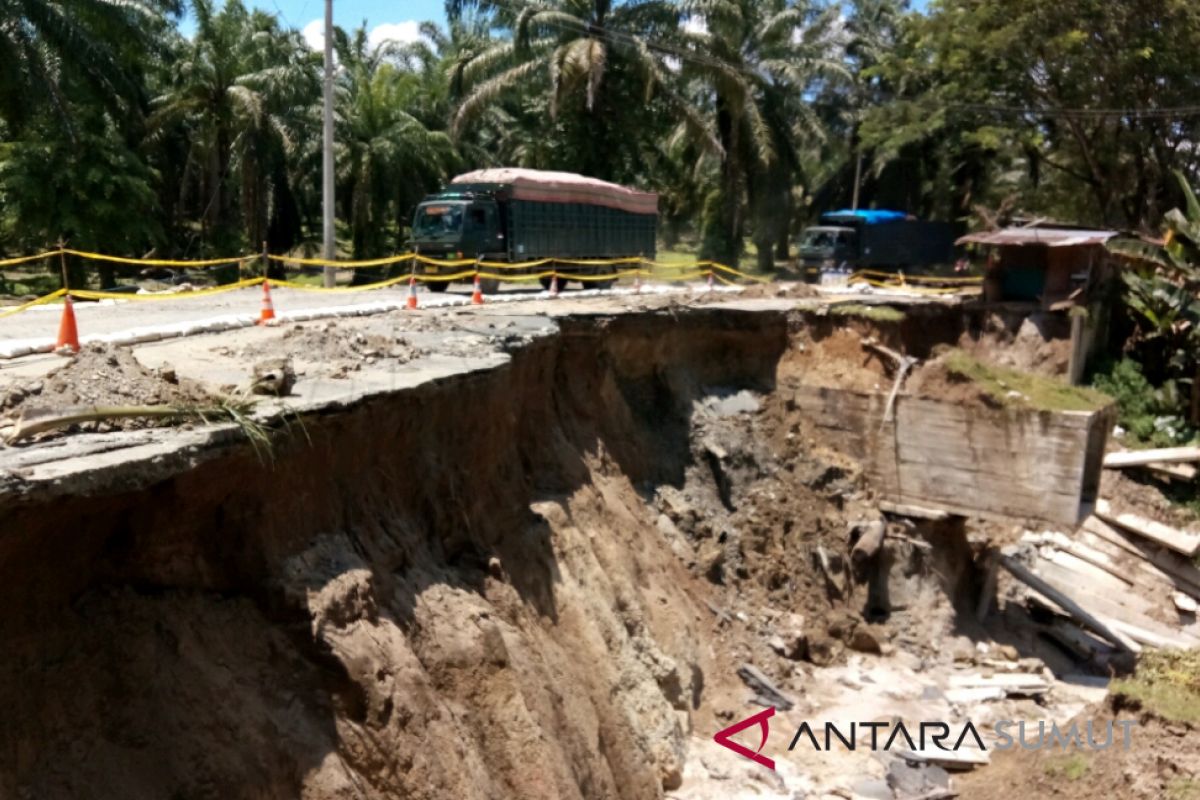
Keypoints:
pixel 723 737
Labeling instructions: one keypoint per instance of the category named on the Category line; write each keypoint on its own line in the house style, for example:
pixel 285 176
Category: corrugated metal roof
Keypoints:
pixel 1047 237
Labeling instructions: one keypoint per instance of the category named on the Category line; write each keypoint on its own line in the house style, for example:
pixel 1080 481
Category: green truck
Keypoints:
pixel 522 215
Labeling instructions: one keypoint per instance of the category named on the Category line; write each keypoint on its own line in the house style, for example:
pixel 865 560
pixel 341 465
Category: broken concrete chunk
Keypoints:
pixel 274 376
pixel 1184 604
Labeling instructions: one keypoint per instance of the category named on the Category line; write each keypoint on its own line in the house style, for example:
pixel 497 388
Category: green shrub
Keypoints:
pixel 1152 416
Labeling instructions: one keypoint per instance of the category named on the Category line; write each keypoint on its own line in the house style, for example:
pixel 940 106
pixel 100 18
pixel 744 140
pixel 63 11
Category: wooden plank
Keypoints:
pixel 1076 639
pixel 1064 601
pixel 916 512
pixel 1130 611
pixel 964 758
pixel 1187 544
pixel 1141 458
pixel 1115 597
pixel 1151 638
pixel 1180 573
pixel 1096 575
pixel 1144 574
pixel 1177 472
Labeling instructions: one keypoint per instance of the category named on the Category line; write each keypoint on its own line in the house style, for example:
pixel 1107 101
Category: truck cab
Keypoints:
pixel 455 226
pixel 827 246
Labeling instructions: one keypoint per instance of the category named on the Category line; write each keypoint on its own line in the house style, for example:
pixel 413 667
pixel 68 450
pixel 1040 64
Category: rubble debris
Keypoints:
pixel 767 693
pixel 1011 684
pixel 101 376
pixel 274 376
pixel 866 538
pixel 1063 601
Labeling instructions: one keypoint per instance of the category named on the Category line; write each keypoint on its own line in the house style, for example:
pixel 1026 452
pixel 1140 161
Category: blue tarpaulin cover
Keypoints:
pixel 870 217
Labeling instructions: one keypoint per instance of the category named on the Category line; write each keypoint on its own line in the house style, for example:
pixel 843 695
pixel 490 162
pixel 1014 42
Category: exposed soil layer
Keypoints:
pixel 548 597
pixel 103 375
pixel 1161 761
pixel 408 602
pixel 1130 491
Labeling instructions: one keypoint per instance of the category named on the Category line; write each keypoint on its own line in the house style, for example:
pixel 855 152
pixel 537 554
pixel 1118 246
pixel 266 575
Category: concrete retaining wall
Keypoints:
pixel 1009 464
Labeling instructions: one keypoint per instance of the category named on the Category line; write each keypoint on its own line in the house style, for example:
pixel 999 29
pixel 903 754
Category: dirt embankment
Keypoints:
pixel 458 591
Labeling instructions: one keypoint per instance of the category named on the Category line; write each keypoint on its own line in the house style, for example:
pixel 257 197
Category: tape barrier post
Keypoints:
pixel 710 280
pixel 554 284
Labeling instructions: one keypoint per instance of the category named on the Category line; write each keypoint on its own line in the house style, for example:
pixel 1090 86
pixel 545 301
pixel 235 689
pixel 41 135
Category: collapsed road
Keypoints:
pixel 500 553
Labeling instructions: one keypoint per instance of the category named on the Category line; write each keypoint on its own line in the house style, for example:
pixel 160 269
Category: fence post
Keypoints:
pixel 62 262
pixel 266 262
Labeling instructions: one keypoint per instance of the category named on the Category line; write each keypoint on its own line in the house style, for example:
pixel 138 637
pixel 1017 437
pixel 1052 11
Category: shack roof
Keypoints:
pixel 1046 237
pixel 541 186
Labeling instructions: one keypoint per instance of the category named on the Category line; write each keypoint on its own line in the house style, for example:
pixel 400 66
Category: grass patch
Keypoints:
pixel 1166 683
pixel 22 284
pixel 873 313
pixel 1035 391
pixel 1072 767
pixel 1183 789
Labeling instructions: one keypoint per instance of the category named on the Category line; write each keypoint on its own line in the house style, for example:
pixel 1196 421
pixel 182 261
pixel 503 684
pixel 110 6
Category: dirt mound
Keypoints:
pixel 337 351
pixel 1040 343
pixel 1144 497
pixel 1162 761
pixel 104 375
pixel 838 359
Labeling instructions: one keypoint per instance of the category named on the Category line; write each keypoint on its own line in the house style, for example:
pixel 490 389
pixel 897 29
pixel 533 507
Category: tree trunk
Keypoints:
pixel 723 234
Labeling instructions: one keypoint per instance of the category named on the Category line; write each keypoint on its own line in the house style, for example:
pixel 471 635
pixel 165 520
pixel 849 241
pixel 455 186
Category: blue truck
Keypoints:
pixel 889 241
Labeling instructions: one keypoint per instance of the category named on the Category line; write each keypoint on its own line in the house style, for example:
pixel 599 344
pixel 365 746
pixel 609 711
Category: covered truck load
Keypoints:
pixel 520 215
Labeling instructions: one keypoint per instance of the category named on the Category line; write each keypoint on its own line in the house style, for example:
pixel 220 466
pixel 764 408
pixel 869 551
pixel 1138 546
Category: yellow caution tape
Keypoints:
pixel 919 278
pixel 859 277
pixel 8 312
pixel 321 262
pixel 304 287
pixel 12 262
pixel 159 262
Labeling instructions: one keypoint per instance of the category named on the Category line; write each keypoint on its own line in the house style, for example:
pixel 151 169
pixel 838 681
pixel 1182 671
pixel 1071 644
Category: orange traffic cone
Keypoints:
pixel 554 285
pixel 411 305
pixel 68 331
pixel 477 295
pixel 268 308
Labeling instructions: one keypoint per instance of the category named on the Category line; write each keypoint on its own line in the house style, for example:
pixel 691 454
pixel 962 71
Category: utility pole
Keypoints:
pixel 857 178
pixel 329 249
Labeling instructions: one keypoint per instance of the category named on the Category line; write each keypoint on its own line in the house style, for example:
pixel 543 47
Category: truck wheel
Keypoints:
pixel 604 286
pixel 438 286
pixel 489 285
pixel 545 282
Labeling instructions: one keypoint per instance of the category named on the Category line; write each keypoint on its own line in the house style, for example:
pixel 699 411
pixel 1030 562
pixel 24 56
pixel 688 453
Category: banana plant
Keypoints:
pixel 1162 290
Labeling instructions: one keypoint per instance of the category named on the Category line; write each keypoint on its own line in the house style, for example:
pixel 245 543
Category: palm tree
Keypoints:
pixel 573 75
pixel 760 61
pixel 240 89
pixel 387 157
pixel 45 43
